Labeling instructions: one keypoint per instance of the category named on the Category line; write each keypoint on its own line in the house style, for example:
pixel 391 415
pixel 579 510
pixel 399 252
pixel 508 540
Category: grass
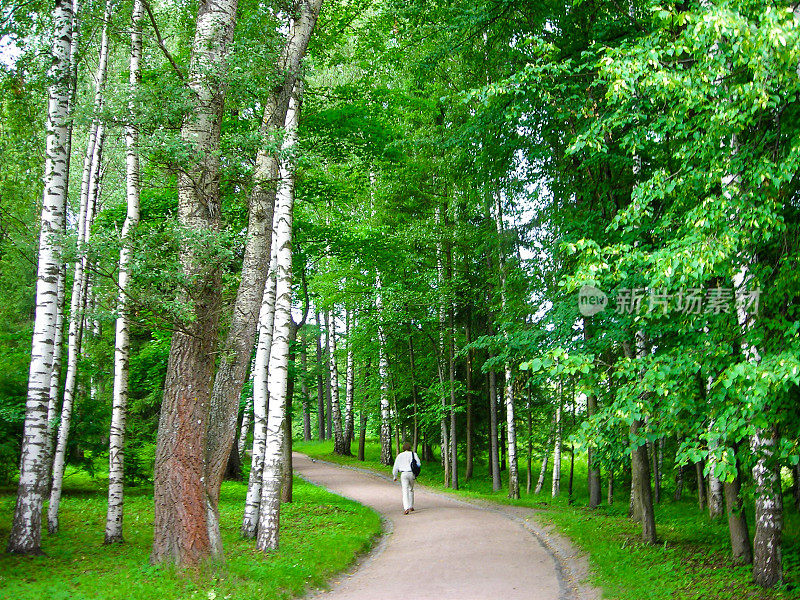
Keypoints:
pixel 692 559
pixel 321 533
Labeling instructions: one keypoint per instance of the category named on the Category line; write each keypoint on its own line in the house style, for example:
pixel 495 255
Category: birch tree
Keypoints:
pixel 266 323
pixel 269 515
pixel 26 532
pixel 333 370
pixel 238 346
pixel 383 375
pixel 90 185
pixel 116 453
pixel 511 431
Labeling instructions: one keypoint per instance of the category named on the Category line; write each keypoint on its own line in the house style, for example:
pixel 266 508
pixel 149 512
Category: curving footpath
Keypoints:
pixel 448 549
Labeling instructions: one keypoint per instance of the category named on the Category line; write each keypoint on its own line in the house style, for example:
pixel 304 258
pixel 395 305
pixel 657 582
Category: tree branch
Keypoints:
pixel 161 42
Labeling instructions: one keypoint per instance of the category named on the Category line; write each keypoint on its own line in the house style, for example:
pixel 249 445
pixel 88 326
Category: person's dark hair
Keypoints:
pixel 406 446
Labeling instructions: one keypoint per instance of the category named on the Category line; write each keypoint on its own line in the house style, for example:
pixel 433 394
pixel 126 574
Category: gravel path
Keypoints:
pixel 448 549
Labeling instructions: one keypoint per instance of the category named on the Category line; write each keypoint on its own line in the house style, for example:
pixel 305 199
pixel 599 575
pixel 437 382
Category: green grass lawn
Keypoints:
pixel 321 534
pixel 691 561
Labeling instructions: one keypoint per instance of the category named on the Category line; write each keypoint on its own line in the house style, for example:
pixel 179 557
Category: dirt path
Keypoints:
pixel 448 549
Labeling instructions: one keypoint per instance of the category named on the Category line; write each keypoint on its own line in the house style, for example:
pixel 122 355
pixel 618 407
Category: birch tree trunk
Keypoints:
pixel 238 347
pixel 116 452
pixel 557 450
pixel 545 460
pixel 26 535
pixel 349 398
pixel 244 428
pixel 383 373
pixel 269 514
pixel 266 321
pixel 88 201
pixel 767 559
pixel 183 533
pixel 511 431
pixel 333 369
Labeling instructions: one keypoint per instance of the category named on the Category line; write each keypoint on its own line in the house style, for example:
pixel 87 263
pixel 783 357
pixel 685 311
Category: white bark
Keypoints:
pixel 511 432
pixel 716 498
pixel 88 201
pixel 333 369
pixel 26 527
pixel 266 321
pixel 767 559
pixel 557 455
pixel 116 452
pixel 244 429
pixel 545 460
pixel 269 516
pixel 383 373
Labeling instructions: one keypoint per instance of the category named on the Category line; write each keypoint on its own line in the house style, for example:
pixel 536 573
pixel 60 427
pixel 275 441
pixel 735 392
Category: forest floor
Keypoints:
pixel 690 562
pixel 447 548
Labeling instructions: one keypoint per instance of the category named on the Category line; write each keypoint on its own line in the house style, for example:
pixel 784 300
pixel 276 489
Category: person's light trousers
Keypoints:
pixel 407 484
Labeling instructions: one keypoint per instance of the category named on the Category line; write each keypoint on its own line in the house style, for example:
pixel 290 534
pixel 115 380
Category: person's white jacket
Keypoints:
pixel 403 462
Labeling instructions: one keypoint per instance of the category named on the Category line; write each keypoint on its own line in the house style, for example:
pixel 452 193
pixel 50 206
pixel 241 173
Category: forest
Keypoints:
pixel 553 244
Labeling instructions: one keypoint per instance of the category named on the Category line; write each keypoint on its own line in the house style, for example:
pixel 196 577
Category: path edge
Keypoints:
pixel 573 569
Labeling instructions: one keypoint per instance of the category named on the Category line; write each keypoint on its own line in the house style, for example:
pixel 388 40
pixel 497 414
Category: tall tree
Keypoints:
pixel 89 200
pixel 122 347
pixel 269 515
pixel 26 534
pixel 238 347
pixel 181 487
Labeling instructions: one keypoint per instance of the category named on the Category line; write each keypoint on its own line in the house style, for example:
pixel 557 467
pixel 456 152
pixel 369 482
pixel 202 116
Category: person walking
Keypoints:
pixel 402 465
